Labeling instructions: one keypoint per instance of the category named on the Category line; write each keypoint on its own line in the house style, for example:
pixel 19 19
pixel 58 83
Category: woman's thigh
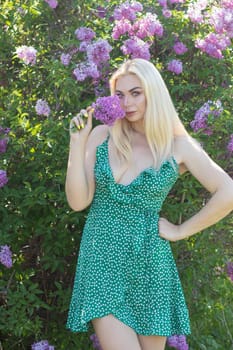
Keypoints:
pixel 152 342
pixel 114 334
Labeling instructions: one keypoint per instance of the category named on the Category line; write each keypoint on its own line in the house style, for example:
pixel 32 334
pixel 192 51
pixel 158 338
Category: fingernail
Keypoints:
pixel 82 126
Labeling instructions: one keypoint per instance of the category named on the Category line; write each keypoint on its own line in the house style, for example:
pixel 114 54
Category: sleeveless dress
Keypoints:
pixel 124 268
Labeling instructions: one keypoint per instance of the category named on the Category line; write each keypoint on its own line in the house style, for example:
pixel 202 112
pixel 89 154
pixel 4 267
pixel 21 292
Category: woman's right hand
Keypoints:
pixel 81 125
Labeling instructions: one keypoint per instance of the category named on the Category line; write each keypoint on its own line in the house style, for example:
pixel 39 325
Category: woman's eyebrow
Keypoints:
pixel 136 87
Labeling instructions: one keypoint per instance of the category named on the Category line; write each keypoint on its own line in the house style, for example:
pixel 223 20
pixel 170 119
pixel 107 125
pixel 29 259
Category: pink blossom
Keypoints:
pixel 27 54
pixel 194 11
pixel 108 109
pixel 175 66
pixel 162 3
pixel 179 48
pixel 42 108
pixel 52 3
pixel 227 4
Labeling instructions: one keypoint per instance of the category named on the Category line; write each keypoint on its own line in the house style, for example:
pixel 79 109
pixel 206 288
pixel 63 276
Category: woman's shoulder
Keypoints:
pixel 185 147
pixel 98 135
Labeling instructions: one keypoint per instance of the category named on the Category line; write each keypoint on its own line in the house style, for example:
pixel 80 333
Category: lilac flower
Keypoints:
pixel 52 3
pixel 101 11
pixel 149 25
pixel 137 48
pixel 230 146
pixel 108 109
pixel 95 342
pixel 179 48
pixel 222 20
pixel 178 342
pixel 213 44
pixel 27 54
pixel 166 12
pixel 227 4
pixel 83 46
pixel 213 108
pixel 65 58
pixel 84 34
pixel 121 27
pixel 127 10
pixel 42 107
pixel 177 1
pixel 230 264
pixel 3 145
pixel 85 70
pixel 175 66
pixel 5 255
pixel 42 345
pixel 162 3
pixel 4 130
pixel 99 51
pixel 194 11
pixel 3 178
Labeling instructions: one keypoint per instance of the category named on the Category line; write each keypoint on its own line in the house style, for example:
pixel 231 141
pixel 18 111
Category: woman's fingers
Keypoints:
pixel 81 120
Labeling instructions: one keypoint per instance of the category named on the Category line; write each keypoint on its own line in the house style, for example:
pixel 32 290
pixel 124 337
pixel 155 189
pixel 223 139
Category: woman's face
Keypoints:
pixel 133 100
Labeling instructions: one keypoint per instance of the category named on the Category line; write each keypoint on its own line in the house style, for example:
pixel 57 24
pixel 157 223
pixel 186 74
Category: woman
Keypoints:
pixel 126 282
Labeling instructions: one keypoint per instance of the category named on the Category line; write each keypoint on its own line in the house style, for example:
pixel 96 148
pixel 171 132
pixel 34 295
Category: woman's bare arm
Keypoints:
pixel 213 178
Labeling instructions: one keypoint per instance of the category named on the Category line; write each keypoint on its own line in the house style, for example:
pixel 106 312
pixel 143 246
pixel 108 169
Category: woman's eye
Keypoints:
pixel 119 95
pixel 135 93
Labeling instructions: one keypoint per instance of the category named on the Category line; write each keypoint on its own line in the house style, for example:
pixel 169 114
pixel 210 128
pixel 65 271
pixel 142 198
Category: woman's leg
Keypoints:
pixel 152 342
pixel 114 334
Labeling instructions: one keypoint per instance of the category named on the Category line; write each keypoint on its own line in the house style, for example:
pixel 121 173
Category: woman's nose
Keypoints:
pixel 126 101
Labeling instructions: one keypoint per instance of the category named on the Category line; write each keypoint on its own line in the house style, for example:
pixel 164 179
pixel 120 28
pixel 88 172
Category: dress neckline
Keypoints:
pixel 149 169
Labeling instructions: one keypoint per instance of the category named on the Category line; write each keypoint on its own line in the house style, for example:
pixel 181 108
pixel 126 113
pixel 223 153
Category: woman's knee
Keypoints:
pixel 114 334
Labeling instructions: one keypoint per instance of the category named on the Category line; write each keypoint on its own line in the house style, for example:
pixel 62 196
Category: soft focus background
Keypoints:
pixel 50 68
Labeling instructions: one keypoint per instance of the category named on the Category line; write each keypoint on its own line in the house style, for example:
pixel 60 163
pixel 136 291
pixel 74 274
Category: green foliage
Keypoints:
pixel 36 222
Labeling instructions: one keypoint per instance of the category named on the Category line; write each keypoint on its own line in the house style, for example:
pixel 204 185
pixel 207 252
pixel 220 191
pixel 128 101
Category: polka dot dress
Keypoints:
pixel 124 267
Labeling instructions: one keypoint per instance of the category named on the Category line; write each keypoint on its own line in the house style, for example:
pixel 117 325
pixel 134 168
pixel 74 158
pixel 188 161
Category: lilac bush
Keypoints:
pixel 42 107
pixel 3 178
pixel 42 345
pixel 178 342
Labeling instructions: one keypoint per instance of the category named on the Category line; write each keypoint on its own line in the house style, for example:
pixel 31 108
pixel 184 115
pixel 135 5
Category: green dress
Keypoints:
pixel 124 268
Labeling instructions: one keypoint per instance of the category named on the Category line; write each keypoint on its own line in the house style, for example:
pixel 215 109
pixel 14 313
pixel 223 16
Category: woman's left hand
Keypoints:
pixel 169 231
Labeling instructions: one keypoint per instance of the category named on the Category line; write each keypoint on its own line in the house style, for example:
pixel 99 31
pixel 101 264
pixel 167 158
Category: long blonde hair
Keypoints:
pixel 160 117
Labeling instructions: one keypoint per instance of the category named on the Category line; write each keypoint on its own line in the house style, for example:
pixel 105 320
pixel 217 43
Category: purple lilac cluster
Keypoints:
pixel 27 54
pixel 108 109
pixel 221 20
pixel 95 342
pixel 230 270
pixel 97 54
pixel 180 48
pixel 230 144
pixel 4 139
pixel 3 178
pixel 42 108
pixel 175 66
pixel 165 5
pixel 5 255
pixel 52 3
pixel 178 342
pixel 42 345
pixel 200 122
pixel 126 22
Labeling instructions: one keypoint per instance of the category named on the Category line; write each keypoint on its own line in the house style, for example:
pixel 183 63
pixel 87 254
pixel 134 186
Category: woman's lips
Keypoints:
pixel 129 114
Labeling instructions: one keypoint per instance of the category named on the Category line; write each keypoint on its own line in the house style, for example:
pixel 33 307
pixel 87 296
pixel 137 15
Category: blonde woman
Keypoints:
pixel 126 282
